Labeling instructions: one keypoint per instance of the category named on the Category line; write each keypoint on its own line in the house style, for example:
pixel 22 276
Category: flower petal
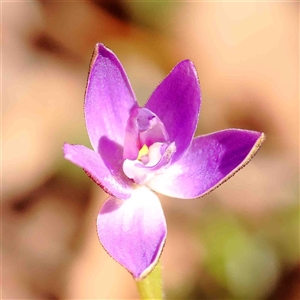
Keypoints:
pixel 209 162
pixel 104 171
pixel 133 231
pixel 176 101
pixel 108 99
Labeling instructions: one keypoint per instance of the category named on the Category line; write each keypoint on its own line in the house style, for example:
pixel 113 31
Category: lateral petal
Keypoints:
pixel 108 98
pixel 133 232
pixel 104 172
pixel 210 161
pixel 176 101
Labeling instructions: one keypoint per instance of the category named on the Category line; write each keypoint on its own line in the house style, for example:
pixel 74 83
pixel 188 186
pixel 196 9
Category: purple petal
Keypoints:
pixel 108 99
pixel 105 171
pixel 209 162
pixel 133 231
pixel 176 101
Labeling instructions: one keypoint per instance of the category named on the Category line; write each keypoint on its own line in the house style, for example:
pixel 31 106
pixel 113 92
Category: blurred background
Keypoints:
pixel 239 242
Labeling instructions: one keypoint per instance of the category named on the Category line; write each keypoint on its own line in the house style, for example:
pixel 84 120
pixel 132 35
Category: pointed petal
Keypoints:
pixel 133 231
pixel 108 98
pixel 105 173
pixel 209 162
pixel 176 101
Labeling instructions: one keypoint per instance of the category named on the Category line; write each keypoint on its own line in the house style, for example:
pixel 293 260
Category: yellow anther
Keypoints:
pixel 143 151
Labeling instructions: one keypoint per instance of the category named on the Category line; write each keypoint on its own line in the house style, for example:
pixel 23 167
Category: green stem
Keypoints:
pixel 151 286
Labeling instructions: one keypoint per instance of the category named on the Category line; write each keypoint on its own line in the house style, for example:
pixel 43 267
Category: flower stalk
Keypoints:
pixel 151 286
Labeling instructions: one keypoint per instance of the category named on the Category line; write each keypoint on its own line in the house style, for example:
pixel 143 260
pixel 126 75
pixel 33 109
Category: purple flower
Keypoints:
pixel 138 150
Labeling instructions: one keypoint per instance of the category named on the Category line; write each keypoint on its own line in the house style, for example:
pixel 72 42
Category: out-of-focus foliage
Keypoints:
pixel 242 257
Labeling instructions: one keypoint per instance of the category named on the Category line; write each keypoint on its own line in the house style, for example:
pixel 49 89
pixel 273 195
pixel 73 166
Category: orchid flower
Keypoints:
pixel 140 151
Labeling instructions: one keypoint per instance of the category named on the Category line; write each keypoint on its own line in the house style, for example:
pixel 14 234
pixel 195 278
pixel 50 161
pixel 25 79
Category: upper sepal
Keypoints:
pixel 108 98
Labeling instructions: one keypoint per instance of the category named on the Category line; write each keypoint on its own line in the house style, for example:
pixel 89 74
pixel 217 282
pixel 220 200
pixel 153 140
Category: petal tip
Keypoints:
pixel 152 266
pixel 256 146
pixel 189 65
pixel 66 148
pixel 261 138
pixel 99 48
pixel 103 51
